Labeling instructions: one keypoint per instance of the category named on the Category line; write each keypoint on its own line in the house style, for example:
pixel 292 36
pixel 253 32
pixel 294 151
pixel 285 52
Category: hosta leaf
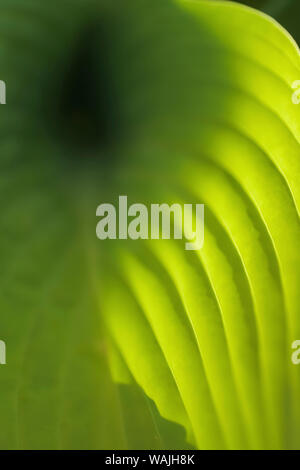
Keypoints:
pixel 285 11
pixel 142 344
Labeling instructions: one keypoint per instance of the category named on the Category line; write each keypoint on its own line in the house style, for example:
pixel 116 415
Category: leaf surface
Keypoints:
pixel 142 344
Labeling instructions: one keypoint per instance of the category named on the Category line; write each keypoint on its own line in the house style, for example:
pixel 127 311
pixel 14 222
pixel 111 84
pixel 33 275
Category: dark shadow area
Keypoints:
pixel 144 427
pixel 85 102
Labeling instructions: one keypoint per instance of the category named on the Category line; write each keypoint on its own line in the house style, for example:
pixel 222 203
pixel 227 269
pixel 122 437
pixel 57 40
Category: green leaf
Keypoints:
pixel 285 11
pixel 142 344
